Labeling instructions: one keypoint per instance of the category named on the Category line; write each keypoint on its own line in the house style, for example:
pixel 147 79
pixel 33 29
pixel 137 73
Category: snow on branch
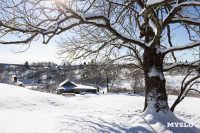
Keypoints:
pixel 166 68
pixel 182 47
pixel 190 65
pixel 185 20
pixel 154 2
pixel 177 8
pixel 153 26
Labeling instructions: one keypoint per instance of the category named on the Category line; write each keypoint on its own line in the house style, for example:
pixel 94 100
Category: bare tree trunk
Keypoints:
pixel 156 97
pixel 107 81
pixel 114 79
pixel 135 85
pixel 97 85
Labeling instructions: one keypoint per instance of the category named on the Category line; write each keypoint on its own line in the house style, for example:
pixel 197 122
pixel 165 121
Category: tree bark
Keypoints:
pixel 156 97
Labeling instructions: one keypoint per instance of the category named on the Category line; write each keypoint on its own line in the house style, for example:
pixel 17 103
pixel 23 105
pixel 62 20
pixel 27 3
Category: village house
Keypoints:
pixel 27 82
pixel 24 82
pixel 70 87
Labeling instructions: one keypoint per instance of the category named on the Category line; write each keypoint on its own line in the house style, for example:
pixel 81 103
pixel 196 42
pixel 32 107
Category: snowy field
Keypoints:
pixel 27 111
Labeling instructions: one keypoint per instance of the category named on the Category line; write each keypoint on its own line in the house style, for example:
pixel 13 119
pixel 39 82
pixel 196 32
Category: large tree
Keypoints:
pixel 131 24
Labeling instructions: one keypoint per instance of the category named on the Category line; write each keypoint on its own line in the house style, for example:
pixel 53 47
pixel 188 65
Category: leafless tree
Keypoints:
pixel 93 71
pixel 110 72
pixel 137 80
pixel 136 25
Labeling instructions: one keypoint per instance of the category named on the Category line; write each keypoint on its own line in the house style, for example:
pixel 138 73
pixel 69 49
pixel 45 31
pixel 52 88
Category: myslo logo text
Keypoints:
pixel 179 124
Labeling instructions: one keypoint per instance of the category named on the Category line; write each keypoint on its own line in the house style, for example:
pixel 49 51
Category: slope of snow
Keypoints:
pixel 27 111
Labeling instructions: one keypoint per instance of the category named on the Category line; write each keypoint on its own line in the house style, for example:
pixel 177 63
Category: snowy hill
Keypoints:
pixel 174 81
pixel 27 111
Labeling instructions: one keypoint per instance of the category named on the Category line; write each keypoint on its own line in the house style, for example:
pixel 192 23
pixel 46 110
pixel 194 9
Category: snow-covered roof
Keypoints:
pixel 70 85
pixel 79 86
pixel 19 83
pixel 67 83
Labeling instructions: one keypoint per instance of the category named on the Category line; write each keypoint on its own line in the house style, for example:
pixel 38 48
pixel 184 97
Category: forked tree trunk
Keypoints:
pixel 156 97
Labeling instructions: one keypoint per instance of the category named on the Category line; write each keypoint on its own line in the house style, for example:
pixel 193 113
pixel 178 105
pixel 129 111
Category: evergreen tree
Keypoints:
pixel 26 65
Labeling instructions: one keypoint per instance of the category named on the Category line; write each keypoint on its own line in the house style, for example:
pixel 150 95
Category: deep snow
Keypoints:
pixel 27 111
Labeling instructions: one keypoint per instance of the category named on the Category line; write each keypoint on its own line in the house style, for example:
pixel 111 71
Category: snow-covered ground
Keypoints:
pixel 27 111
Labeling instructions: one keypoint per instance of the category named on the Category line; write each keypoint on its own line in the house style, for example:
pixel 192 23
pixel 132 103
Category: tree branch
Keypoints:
pixel 176 9
pixel 23 41
pixel 190 21
pixel 182 47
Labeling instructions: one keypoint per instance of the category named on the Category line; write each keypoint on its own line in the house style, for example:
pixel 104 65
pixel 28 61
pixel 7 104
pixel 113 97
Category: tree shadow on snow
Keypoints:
pixel 99 126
